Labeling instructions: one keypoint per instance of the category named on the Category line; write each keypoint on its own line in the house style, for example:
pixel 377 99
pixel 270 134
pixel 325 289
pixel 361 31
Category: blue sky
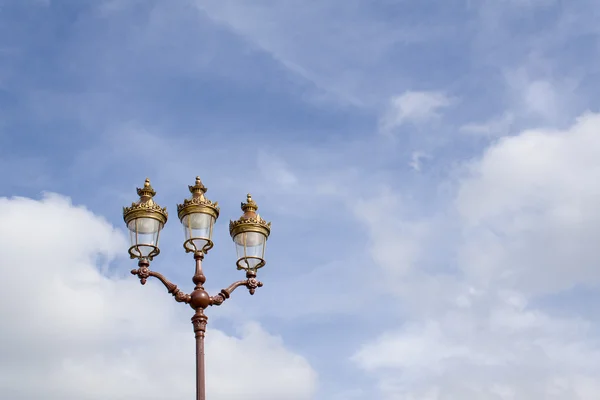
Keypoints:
pixel 430 170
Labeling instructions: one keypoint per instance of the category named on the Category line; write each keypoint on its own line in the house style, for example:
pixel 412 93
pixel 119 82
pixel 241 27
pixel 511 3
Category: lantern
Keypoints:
pixel 145 219
pixel 250 234
pixel 198 216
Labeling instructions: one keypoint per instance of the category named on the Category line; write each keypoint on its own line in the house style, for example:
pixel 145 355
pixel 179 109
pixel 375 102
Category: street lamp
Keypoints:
pixel 145 219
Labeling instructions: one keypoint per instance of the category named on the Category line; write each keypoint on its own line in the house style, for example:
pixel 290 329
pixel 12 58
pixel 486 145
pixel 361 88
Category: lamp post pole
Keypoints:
pixel 199 320
pixel 145 219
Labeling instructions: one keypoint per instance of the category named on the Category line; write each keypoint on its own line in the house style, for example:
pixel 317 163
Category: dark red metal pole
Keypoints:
pixel 199 320
pixel 199 301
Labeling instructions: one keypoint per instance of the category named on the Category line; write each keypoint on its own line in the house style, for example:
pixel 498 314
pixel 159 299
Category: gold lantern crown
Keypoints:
pixel 145 207
pixel 198 202
pixel 250 221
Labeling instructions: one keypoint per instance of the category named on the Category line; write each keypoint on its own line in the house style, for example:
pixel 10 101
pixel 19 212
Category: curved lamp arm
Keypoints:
pixel 251 283
pixel 144 273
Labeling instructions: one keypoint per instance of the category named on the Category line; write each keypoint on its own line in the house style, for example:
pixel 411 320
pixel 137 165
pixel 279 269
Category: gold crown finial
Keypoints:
pixel 198 189
pixel 147 192
pixel 250 205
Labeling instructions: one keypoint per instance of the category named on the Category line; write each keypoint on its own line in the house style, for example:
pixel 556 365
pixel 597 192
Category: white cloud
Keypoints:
pixel 498 351
pixel 527 224
pixel 413 107
pixel 531 193
pixel 80 334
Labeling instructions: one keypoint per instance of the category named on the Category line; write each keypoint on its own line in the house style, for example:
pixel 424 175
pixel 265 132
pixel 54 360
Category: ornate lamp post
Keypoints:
pixel 145 219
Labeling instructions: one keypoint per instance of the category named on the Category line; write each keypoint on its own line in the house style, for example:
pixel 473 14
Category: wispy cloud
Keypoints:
pixel 416 161
pixel 496 127
pixel 328 45
pixel 413 108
